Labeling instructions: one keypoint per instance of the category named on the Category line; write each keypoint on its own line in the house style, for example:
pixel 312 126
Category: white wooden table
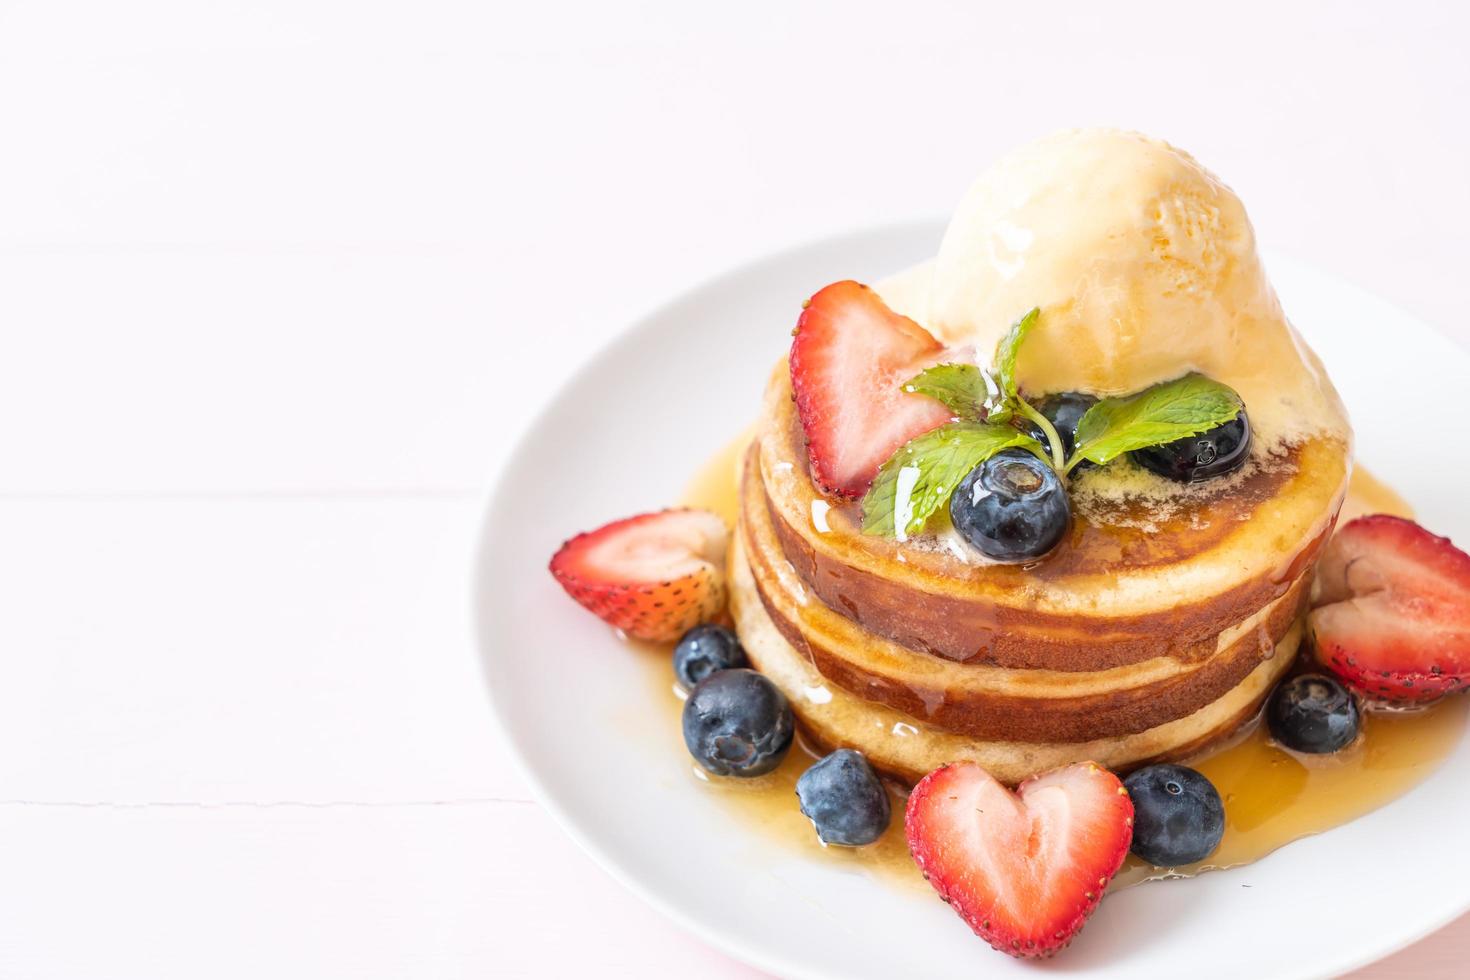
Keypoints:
pixel 280 283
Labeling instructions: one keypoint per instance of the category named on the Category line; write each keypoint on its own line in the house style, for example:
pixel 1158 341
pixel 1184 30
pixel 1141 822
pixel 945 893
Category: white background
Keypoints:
pixel 281 282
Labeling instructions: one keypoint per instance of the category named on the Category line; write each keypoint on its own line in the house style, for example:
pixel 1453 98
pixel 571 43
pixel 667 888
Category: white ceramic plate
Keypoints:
pixel 625 435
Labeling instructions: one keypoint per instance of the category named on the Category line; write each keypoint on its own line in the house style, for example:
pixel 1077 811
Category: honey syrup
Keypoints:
pixel 1272 797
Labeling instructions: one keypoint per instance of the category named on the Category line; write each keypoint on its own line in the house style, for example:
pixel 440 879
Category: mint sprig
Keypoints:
pixel 918 479
pixel 1008 402
pixel 1006 352
pixel 1173 410
pixel 970 392
pixel 961 387
pixel 921 476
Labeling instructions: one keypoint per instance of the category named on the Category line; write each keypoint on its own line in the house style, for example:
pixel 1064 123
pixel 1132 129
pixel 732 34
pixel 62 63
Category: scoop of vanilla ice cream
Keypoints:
pixel 1144 266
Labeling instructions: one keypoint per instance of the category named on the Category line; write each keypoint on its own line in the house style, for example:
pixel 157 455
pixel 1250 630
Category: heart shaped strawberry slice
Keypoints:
pixel 849 361
pixel 1392 614
pixel 1024 869
pixel 652 576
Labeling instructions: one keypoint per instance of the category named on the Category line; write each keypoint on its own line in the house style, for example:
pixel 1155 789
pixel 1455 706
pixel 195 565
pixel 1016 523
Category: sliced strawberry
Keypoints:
pixel 1024 869
pixel 1392 614
pixel 849 361
pixel 653 576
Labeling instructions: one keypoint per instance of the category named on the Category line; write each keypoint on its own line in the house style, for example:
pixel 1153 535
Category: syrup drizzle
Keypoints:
pixel 1272 797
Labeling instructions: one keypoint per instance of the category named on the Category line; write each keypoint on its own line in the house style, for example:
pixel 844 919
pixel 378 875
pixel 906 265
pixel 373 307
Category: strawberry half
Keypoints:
pixel 1392 614
pixel 653 576
pixel 849 360
pixel 1024 869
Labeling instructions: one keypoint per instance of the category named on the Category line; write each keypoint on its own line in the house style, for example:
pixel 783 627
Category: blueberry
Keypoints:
pixel 736 723
pixel 1063 411
pixel 1012 507
pixel 1312 713
pixel 1178 818
pixel 705 649
pixel 1221 450
pixel 845 799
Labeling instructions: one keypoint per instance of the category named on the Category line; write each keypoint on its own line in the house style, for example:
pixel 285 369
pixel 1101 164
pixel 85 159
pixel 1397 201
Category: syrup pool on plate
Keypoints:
pixel 1272 797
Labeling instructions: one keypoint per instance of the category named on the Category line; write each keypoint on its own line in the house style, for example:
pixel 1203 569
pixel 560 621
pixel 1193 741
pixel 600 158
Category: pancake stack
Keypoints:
pixel 1147 637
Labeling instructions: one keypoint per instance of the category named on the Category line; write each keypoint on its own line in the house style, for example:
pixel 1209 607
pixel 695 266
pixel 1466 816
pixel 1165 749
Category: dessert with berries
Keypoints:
pixel 1042 532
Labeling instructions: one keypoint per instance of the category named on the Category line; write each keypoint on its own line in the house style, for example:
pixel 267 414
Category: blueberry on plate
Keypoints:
pixel 1063 411
pixel 1178 818
pixel 705 649
pixel 1219 451
pixel 1012 507
pixel 736 723
pixel 844 799
pixel 1313 713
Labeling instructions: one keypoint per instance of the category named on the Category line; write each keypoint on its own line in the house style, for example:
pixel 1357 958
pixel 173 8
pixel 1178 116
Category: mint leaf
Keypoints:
pixel 1007 349
pixel 918 479
pixel 961 387
pixel 1186 406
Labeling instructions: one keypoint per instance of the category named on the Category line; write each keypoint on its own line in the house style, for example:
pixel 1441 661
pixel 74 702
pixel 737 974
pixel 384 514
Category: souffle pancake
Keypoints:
pixel 1163 616
pixel 1037 542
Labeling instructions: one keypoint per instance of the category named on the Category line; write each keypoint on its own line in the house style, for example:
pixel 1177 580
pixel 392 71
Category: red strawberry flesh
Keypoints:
pixel 1025 870
pixel 849 361
pixel 653 576
pixel 1392 610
